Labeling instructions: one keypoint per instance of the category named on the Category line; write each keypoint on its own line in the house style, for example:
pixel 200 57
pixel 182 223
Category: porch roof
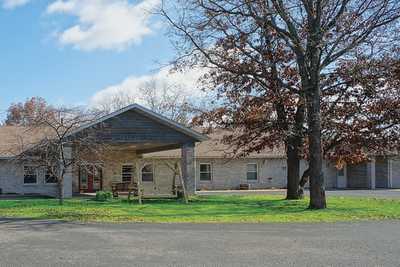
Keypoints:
pixel 196 136
pixel 214 148
pixel 134 126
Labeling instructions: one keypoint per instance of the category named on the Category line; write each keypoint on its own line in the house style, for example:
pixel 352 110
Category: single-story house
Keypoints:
pixel 267 169
pixel 145 144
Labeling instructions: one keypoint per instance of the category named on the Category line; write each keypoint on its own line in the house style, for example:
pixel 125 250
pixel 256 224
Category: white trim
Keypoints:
pixel 390 173
pixel 195 174
pixel 160 118
pixel 36 173
pixel 257 172
pixel 211 172
pixel 341 180
pixel 371 173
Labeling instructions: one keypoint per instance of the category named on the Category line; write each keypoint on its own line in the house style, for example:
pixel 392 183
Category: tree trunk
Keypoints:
pixel 317 190
pixel 61 191
pixel 293 170
pixel 303 181
pixel 294 145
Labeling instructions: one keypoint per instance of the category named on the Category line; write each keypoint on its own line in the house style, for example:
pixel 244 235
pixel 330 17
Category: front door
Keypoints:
pixel 90 179
pixel 89 182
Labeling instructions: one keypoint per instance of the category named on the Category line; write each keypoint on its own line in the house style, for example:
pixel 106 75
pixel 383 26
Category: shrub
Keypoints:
pixel 103 196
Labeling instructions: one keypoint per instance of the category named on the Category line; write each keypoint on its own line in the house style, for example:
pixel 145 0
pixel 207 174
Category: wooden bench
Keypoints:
pixel 244 187
pixel 124 187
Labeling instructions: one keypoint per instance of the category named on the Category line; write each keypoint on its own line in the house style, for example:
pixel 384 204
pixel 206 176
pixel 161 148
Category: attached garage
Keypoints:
pixel 381 172
pixel 357 176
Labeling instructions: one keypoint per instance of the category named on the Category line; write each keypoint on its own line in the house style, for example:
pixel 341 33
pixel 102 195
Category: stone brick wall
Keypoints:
pixel 229 174
pixel 12 180
pixel 226 174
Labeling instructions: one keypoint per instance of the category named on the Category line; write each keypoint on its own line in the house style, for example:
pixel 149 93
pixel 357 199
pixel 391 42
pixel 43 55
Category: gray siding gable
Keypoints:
pixel 134 127
pixel 137 124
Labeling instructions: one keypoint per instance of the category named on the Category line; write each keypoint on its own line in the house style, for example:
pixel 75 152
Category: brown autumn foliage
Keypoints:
pixel 360 105
pixel 25 113
pixel 361 110
pixel 318 34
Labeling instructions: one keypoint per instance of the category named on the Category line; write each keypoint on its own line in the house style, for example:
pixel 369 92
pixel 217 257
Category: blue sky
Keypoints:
pixel 68 51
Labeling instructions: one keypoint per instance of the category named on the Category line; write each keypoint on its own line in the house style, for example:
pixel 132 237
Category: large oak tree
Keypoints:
pixel 316 35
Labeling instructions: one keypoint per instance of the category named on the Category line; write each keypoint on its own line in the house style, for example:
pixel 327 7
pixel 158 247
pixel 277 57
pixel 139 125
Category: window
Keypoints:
pixel 49 178
pixel 83 175
pixel 97 173
pixel 252 171
pixel 147 173
pixel 127 173
pixel 30 175
pixel 205 172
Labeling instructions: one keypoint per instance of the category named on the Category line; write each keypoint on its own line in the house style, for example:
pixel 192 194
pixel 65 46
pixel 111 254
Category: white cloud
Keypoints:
pixel 11 4
pixel 184 83
pixel 104 24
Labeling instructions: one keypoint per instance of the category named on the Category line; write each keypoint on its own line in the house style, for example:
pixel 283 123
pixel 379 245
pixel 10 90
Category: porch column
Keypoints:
pixel 371 173
pixel 138 167
pixel 188 168
pixel 68 174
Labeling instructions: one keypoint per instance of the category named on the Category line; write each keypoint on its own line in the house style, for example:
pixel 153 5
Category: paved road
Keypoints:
pixel 44 243
pixel 379 193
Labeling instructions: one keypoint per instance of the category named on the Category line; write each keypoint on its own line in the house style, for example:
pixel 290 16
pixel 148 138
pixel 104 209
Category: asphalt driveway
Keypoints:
pixel 46 243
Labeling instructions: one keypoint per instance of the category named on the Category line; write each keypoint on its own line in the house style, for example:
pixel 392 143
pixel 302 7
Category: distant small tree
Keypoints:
pixel 169 101
pixel 53 152
pixel 116 101
pixel 25 113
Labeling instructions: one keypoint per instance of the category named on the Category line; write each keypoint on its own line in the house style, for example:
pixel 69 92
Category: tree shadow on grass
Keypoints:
pixel 215 207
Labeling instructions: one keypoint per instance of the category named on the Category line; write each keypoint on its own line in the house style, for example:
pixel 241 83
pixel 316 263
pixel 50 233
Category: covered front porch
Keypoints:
pixel 125 165
pixel 131 133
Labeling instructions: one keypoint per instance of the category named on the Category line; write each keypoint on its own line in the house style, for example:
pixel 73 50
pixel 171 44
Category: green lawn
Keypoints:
pixel 203 209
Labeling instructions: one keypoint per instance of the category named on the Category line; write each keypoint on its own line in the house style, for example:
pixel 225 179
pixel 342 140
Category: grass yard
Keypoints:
pixel 203 209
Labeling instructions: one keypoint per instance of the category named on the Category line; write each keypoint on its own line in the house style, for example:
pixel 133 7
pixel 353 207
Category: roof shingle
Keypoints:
pixel 15 139
pixel 214 148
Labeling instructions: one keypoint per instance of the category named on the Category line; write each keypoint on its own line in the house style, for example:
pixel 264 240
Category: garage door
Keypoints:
pixel 396 173
pixel 381 173
pixel 357 176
